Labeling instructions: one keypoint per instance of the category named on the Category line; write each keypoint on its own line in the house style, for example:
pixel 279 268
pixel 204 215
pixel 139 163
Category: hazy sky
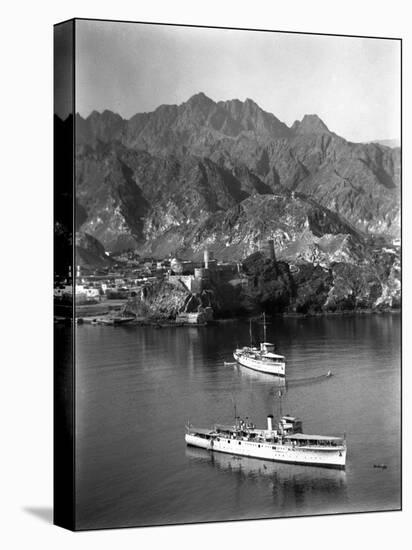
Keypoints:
pixel 353 84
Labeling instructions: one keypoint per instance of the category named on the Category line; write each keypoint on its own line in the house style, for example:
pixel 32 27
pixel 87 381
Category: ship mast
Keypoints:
pixel 280 403
pixel 235 415
pixel 264 326
pixel 250 333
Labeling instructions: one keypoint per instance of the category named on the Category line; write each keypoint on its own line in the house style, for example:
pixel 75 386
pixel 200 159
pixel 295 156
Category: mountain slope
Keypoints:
pixel 131 196
pixel 359 181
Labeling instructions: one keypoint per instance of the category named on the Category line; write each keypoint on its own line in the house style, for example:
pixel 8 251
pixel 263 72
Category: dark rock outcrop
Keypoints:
pixel 167 301
pixel 90 252
pixel 270 285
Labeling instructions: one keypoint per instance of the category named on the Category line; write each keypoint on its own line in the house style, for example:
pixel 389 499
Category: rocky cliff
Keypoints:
pixel 278 287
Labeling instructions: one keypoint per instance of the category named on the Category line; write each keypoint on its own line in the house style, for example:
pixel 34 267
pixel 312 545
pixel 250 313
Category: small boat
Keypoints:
pixel 116 320
pixel 286 443
pixel 90 320
pixel 106 321
pixel 263 359
pixel 123 320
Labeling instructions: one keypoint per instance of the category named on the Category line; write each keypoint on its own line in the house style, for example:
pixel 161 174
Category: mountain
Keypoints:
pixel 388 142
pixel 163 205
pixel 358 181
pixel 310 124
pixel 227 176
pixel 132 197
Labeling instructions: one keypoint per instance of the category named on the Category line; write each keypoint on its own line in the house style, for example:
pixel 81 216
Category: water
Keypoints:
pixel 138 386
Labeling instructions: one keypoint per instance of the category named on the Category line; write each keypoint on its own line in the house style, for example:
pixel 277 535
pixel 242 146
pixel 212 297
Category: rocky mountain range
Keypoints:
pixel 227 175
pixel 161 169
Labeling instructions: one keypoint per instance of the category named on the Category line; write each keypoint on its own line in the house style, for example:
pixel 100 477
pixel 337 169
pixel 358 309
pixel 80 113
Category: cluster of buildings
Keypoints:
pixel 121 281
pixel 130 276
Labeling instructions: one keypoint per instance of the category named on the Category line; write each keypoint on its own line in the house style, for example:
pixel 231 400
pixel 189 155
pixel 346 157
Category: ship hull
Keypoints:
pixel 324 457
pixel 260 366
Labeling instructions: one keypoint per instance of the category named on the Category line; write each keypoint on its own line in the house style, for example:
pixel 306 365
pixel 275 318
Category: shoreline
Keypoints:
pixel 162 322
pixel 343 313
pixel 346 313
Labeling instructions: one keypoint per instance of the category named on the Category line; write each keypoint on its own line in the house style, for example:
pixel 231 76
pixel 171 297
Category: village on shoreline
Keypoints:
pixel 168 292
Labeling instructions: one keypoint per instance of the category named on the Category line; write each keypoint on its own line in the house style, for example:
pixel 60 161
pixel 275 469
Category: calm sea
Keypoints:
pixel 138 386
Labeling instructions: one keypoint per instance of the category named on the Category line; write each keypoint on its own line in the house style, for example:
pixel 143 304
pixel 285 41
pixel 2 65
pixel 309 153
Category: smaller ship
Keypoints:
pixel 286 443
pixel 263 359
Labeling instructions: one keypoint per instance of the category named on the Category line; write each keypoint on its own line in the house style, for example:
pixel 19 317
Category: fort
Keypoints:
pixel 141 279
pixel 198 276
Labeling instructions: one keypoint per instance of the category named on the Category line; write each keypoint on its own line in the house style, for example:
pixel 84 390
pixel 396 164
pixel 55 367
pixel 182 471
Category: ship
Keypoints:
pixel 286 443
pixel 262 359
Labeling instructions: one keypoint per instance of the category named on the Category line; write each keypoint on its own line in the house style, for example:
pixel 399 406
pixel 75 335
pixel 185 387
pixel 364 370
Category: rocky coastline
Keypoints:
pixel 269 286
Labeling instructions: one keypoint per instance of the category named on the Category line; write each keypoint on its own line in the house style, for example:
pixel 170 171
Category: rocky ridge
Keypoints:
pixel 227 175
pixel 359 181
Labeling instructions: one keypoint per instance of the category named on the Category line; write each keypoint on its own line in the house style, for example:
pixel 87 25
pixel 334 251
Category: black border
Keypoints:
pixel 74 20
pixel 64 346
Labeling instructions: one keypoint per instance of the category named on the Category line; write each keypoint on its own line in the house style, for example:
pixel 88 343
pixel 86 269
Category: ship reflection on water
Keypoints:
pixel 279 382
pixel 290 485
pixel 261 377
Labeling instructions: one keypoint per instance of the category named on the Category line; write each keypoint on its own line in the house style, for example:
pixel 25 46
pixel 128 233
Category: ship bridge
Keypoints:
pixel 315 439
pixel 267 347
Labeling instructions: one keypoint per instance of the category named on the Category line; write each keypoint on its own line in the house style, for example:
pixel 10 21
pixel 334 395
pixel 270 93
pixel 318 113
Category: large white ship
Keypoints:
pixel 286 443
pixel 263 359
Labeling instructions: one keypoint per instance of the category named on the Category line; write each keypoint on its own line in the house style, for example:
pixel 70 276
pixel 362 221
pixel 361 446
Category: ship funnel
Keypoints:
pixel 270 425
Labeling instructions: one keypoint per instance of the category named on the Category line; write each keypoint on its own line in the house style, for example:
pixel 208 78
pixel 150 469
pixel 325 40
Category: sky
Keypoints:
pixel 353 84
